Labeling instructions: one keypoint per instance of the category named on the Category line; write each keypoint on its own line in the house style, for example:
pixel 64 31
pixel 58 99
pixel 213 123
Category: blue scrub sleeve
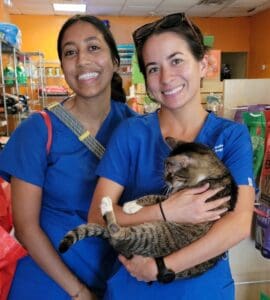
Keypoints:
pixel 239 155
pixel 27 146
pixel 116 161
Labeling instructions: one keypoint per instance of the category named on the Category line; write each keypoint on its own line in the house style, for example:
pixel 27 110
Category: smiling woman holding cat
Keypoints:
pixel 173 59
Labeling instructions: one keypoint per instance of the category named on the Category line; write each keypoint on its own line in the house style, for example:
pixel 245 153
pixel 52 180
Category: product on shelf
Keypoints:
pixel 15 104
pixel 54 90
pixel 256 124
pixel 21 74
pixel 262 238
pixel 11 34
pixel 9 75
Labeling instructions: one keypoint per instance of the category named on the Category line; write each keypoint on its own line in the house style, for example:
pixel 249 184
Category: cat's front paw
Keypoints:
pixel 131 207
pixel 106 205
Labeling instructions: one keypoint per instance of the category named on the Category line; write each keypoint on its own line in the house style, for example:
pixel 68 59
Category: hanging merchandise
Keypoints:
pixel 238 117
pixel 262 237
pixel 256 125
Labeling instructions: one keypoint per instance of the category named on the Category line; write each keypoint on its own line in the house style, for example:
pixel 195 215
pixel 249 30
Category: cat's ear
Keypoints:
pixel 172 142
pixel 186 161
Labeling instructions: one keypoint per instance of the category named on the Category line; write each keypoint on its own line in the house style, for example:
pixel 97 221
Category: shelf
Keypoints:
pixel 126 52
pixel 27 85
pixel 7 48
pixel 55 76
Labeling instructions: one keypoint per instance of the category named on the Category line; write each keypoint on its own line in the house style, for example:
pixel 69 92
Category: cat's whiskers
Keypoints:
pixel 167 189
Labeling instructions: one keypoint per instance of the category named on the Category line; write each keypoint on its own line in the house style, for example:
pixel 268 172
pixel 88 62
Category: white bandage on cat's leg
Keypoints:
pixel 106 205
pixel 131 207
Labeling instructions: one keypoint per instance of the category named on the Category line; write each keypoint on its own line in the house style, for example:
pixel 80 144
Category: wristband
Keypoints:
pixel 162 211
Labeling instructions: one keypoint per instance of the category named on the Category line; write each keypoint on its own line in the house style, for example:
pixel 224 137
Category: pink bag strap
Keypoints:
pixel 48 124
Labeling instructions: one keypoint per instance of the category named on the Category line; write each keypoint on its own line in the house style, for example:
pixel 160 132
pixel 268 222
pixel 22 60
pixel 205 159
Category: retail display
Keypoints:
pixel 55 88
pixel 21 77
pixel 263 209
pixel 257 119
pixel 256 124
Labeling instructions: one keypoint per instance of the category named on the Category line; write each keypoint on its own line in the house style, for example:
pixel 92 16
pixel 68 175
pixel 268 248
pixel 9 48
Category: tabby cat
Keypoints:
pixel 188 165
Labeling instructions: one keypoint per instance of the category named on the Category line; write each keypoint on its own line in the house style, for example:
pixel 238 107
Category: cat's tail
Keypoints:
pixel 81 232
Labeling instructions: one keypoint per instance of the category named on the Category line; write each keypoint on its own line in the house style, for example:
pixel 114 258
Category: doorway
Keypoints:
pixel 237 61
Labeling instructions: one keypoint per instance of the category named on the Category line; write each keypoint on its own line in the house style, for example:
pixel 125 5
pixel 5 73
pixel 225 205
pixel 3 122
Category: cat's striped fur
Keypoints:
pixel 188 165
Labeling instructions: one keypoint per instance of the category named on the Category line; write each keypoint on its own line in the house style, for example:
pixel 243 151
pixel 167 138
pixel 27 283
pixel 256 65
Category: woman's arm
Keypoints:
pixel 191 206
pixel 108 188
pixel 26 203
pixel 224 234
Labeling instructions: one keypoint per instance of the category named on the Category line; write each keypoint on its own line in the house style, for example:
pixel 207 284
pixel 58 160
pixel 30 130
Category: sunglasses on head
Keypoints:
pixel 173 20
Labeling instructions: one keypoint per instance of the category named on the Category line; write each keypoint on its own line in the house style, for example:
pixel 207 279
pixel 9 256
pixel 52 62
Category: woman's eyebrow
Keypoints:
pixel 168 58
pixel 90 38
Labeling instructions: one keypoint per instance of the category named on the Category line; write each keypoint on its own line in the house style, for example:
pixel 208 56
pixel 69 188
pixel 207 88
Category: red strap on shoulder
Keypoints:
pixel 48 123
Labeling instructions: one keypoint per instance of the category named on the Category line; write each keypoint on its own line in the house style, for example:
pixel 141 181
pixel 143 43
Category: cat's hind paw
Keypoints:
pixel 106 205
pixel 131 207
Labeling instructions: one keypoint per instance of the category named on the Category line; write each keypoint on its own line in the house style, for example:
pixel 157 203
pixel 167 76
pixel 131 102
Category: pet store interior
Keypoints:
pixel 237 84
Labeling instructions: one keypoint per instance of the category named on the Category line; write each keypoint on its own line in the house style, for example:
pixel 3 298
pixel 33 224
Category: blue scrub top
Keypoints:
pixel 135 159
pixel 68 177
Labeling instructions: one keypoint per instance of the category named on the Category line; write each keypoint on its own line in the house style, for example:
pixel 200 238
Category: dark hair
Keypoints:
pixel 118 92
pixel 178 23
pixel 104 30
pixel 108 37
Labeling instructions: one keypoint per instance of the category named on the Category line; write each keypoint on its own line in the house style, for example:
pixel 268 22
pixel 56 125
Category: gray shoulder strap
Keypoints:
pixel 77 128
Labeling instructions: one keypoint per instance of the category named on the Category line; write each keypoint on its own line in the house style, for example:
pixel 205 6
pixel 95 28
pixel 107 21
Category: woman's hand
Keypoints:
pixel 140 267
pixel 192 206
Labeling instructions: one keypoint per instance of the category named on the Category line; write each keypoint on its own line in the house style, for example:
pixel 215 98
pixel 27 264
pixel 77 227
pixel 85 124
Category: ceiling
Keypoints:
pixel 199 8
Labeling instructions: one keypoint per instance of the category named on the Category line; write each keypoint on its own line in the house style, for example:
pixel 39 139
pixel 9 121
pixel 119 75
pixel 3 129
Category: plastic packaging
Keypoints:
pixel 9 75
pixel 11 34
pixel 262 238
pixel 21 74
pixel 256 125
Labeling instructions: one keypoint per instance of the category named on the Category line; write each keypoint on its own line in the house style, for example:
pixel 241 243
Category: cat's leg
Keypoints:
pixel 108 214
pixel 81 232
pixel 134 206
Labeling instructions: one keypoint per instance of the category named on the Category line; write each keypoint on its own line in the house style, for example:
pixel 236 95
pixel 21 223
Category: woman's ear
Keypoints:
pixel 204 66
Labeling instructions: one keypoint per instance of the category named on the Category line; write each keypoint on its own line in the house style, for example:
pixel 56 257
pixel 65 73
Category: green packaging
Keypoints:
pixel 21 74
pixel 9 75
pixel 256 124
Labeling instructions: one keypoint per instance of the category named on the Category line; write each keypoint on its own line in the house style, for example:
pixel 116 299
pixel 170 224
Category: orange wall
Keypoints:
pixel 231 34
pixel 260 45
pixel 40 32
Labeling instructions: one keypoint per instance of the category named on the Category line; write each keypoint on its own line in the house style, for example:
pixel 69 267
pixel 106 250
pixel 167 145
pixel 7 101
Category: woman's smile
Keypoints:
pixel 87 76
pixel 173 91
